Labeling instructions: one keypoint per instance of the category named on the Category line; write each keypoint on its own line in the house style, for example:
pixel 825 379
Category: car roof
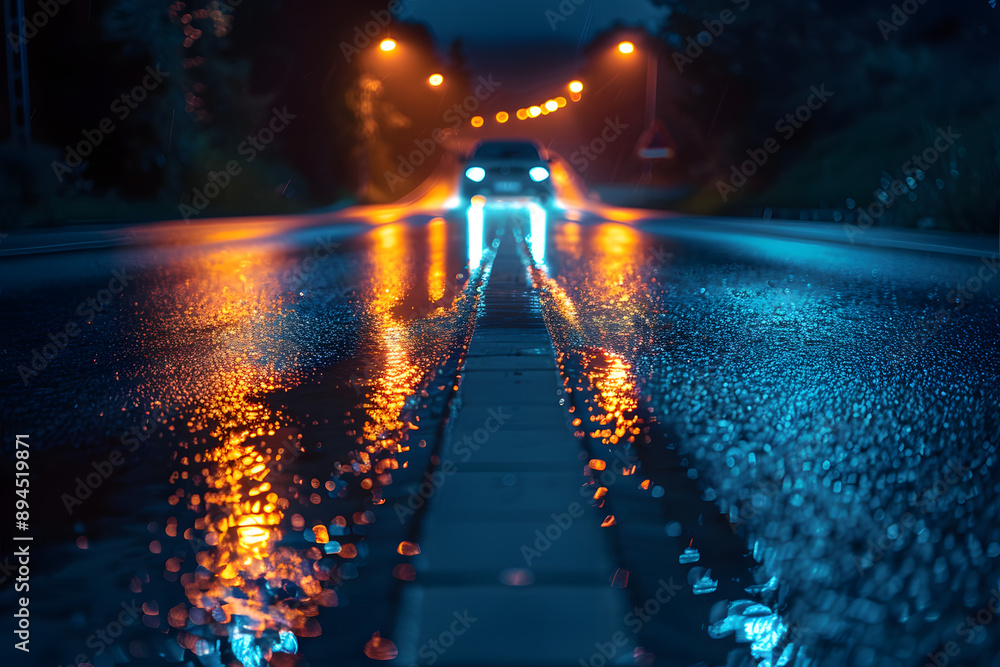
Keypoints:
pixel 510 143
pixel 507 141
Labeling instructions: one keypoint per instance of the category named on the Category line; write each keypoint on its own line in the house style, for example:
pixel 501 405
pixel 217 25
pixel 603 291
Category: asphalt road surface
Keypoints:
pixel 585 435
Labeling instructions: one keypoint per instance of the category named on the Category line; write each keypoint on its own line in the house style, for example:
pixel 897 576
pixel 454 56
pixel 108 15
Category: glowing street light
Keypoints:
pixel 626 47
pixel 503 117
pixel 551 105
pixel 576 86
pixel 387 44
pixel 477 121
pixel 522 114
pixel 435 80
pixel 535 111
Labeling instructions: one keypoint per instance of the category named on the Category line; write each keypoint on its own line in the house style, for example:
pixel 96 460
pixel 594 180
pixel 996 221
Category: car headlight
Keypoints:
pixel 538 174
pixel 476 174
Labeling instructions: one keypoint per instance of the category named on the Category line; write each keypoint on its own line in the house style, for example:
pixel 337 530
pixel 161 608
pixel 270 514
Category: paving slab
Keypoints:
pixel 508 539
pixel 548 625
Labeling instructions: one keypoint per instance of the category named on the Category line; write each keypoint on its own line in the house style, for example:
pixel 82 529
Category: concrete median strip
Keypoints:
pixel 520 481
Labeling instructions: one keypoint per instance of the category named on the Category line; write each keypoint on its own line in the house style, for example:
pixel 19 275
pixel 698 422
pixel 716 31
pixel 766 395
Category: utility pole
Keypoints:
pixel 651 78
pixel 17 72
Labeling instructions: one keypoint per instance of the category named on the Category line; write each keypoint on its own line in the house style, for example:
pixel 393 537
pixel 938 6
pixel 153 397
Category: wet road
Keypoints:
pixel 786 445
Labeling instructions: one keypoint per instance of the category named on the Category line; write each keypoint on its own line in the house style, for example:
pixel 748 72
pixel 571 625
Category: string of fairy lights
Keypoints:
pixel 536 110
pixel 575 89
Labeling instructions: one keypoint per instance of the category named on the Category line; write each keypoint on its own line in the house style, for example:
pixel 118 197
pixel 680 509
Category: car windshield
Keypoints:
pixel 507 151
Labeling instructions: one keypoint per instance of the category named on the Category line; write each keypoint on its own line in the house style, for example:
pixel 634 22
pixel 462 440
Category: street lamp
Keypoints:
pixel 575 88
pixel 435 80
pixel 503 117
pixel 387 44
pixel 626 47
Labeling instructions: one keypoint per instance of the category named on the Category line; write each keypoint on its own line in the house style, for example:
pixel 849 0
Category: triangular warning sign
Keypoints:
pixel 656 143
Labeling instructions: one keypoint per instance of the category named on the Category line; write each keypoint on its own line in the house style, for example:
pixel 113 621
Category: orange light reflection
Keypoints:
pixel 397 376
pixel 617 397
pixel 222 387
pixel 437 239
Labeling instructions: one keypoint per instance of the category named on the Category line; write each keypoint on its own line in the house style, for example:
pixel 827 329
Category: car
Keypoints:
pixel 508 169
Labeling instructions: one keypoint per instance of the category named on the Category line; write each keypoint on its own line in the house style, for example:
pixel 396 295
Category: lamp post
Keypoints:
pixel 369 92
pixel 376 64
pixel 627 48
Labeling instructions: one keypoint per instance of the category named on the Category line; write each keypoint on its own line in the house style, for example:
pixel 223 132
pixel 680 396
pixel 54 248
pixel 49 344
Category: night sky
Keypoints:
pixel 491 30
